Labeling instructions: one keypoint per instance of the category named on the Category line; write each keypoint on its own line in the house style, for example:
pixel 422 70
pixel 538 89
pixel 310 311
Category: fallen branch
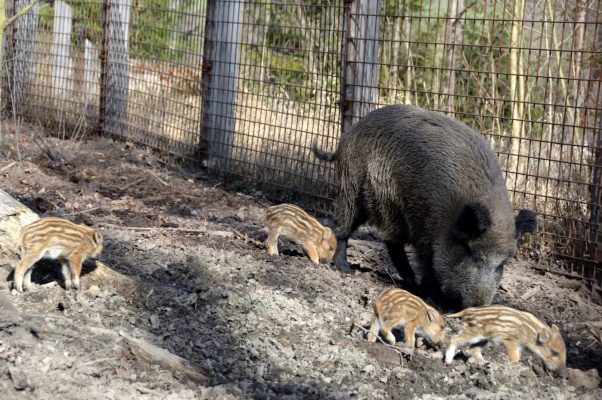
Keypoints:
pixel 531 292
pixel 136 228
pixel 597 333
pixel 593 327
pixel 151 353
pixel 8 166
pixel 154 175
pixel 104 272
pixel 82 211
pixel 369 244
pixel 583 278
pixel 581 325
pixel 246 238
pixel 145 390
pixel 134 183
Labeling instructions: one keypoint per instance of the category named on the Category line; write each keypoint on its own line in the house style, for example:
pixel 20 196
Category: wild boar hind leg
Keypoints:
pixel 349 216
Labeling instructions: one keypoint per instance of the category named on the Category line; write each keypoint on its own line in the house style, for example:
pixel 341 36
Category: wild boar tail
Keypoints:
pixel 323 155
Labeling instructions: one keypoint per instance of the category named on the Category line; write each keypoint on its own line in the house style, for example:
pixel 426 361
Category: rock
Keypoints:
pixel 154 320
pixel 584 379
pixel 94 290
pixel 241 214
pixel 20 381
pixel 23 338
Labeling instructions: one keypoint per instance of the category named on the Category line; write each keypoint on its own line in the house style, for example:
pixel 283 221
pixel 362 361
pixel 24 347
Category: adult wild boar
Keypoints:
pixel 425 179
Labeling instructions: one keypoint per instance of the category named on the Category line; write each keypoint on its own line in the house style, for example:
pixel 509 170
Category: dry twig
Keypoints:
pixel 82 211
pixel 246 238
pixel 136 228
pixel 151 353
pixel 8 166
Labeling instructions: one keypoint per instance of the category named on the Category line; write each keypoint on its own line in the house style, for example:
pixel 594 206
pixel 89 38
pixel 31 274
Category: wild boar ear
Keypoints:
pixel 524 222
pixel 97 237
pixel 472 222
pixel 327 234
pixel 432 315
pixel 543 336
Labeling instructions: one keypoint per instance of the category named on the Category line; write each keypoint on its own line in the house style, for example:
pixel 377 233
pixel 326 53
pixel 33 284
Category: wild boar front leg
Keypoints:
pixel 76 268
pixel 312 253
pixel 272 242
pixel 402 264
pixel 374 329
pixel 513 351
pixel 67 273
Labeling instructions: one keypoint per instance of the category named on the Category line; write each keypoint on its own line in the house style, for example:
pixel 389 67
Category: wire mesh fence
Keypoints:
pixel 245 87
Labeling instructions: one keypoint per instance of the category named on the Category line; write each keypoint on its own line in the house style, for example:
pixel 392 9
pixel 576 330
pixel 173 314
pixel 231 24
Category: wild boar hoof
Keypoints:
pixel 344 268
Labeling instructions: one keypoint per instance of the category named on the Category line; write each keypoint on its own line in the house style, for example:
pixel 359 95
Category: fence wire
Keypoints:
pixel 245 87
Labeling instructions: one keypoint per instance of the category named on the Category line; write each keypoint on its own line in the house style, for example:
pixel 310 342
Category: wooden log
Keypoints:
pixel 13 215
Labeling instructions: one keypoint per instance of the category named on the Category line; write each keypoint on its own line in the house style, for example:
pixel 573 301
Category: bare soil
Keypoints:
pixel 193 278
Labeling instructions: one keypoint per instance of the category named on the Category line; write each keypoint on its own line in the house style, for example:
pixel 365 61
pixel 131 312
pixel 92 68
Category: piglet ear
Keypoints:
pixel 524 222
pixel 555 329
pixel 432 315
pixel 327 234
pixel 97 238
pixel 472 222
pixel 543 336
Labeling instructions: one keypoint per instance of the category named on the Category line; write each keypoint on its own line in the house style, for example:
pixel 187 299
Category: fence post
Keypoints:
pixel 20 58
pixel 360 72
pixel 92 74
pixel 114 75
pixel 62 65
pixel 596 198
pixel 220 72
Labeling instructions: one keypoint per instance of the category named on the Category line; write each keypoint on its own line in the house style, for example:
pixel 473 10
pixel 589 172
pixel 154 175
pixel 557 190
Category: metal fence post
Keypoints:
pixel 21 52
pixel 595 239
pixel 360 80
pixel 62 64
pixel 114 76
pixel 220 74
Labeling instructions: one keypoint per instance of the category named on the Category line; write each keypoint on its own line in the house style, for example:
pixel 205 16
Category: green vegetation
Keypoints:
pixel 157 31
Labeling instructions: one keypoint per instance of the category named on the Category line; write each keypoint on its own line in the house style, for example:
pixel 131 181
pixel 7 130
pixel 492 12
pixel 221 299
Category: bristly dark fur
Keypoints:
pixel 425 179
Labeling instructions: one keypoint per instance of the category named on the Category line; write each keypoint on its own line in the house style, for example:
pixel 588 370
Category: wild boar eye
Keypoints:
pixel 554 353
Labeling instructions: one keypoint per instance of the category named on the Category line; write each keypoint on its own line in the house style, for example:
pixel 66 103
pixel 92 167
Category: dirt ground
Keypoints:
pixel 193 278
